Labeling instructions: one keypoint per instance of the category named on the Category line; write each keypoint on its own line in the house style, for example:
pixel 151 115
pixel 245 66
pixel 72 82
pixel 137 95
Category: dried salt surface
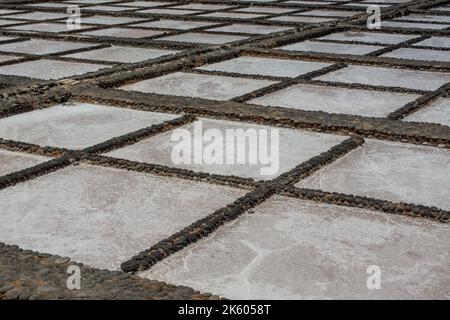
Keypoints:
pixel 109 20
pixel 89 214
pixel 232 15
pixel 197 37
pixel 386 1
pixel 425 18
pixel 90 1
pixel 49 69
pixel 4 58
pixel 437 112
pixel 123 33
pixel 389 171
pixel 39 46
pixel 336 48
pixel 174 24
pixel 301 19
pixel 309 2
pixel 419 54
pixel 336 100
pixel 295 147
pixel 76 126
pixel 145 4
pixel 169 11
pixel 15 161
pixel 4 22
pixel 414 25
pixel 121 54
pixel 440 42
pixel 198 85
pixel 200 6
pixel 329 13
pixel 44 27
pixel 294 249
pixel 49 4
pixel 413 79
pixel 268 10
pixel 6 38
pixel 40 16
pixel 7 11
pixel 369 37
pixel 266 66
pixel 249 28
pixel 109 8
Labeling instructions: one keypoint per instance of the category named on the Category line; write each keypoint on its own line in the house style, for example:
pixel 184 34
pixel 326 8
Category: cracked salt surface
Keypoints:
pixel 89 214
pixel 14 161
pixel 294 249
pixel 437 112
pixel 295 147
pixel 76 126
pixel 367 103
pixel 391 171
pixel 389 77
pixel 266 66
pixel 198 85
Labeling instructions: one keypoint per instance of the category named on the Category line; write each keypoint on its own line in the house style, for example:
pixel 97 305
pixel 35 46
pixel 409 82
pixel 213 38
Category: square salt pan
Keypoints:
pixel 121 54
pixel 4 58
pixel 440 42
pixel 110 20
pixel 207 38
pixel 437 112
pixel 15 161
pixel 233 15
pixel 425 18
pixel 268 10
pixel 266 66
pixel 198 85
pixel 391 171
pixel 413 79
pixel 199 6
pixel 414 25
pixel 38 46
pixel 145 4
pixel 44 27
pixel 300 19
pixel 336 48
pixel 89 214
pixel 294 249
pixel 108 8
pixel 294 148
pixel 40 16
pixel 169 11
pixel 336 100
pixel 4 22
pixel 419 54
pixel 76 126
pixel 123 33
pixel 369 37
pixel 49 69
pixel 174 24
pixel 329 13
pixel 249 28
